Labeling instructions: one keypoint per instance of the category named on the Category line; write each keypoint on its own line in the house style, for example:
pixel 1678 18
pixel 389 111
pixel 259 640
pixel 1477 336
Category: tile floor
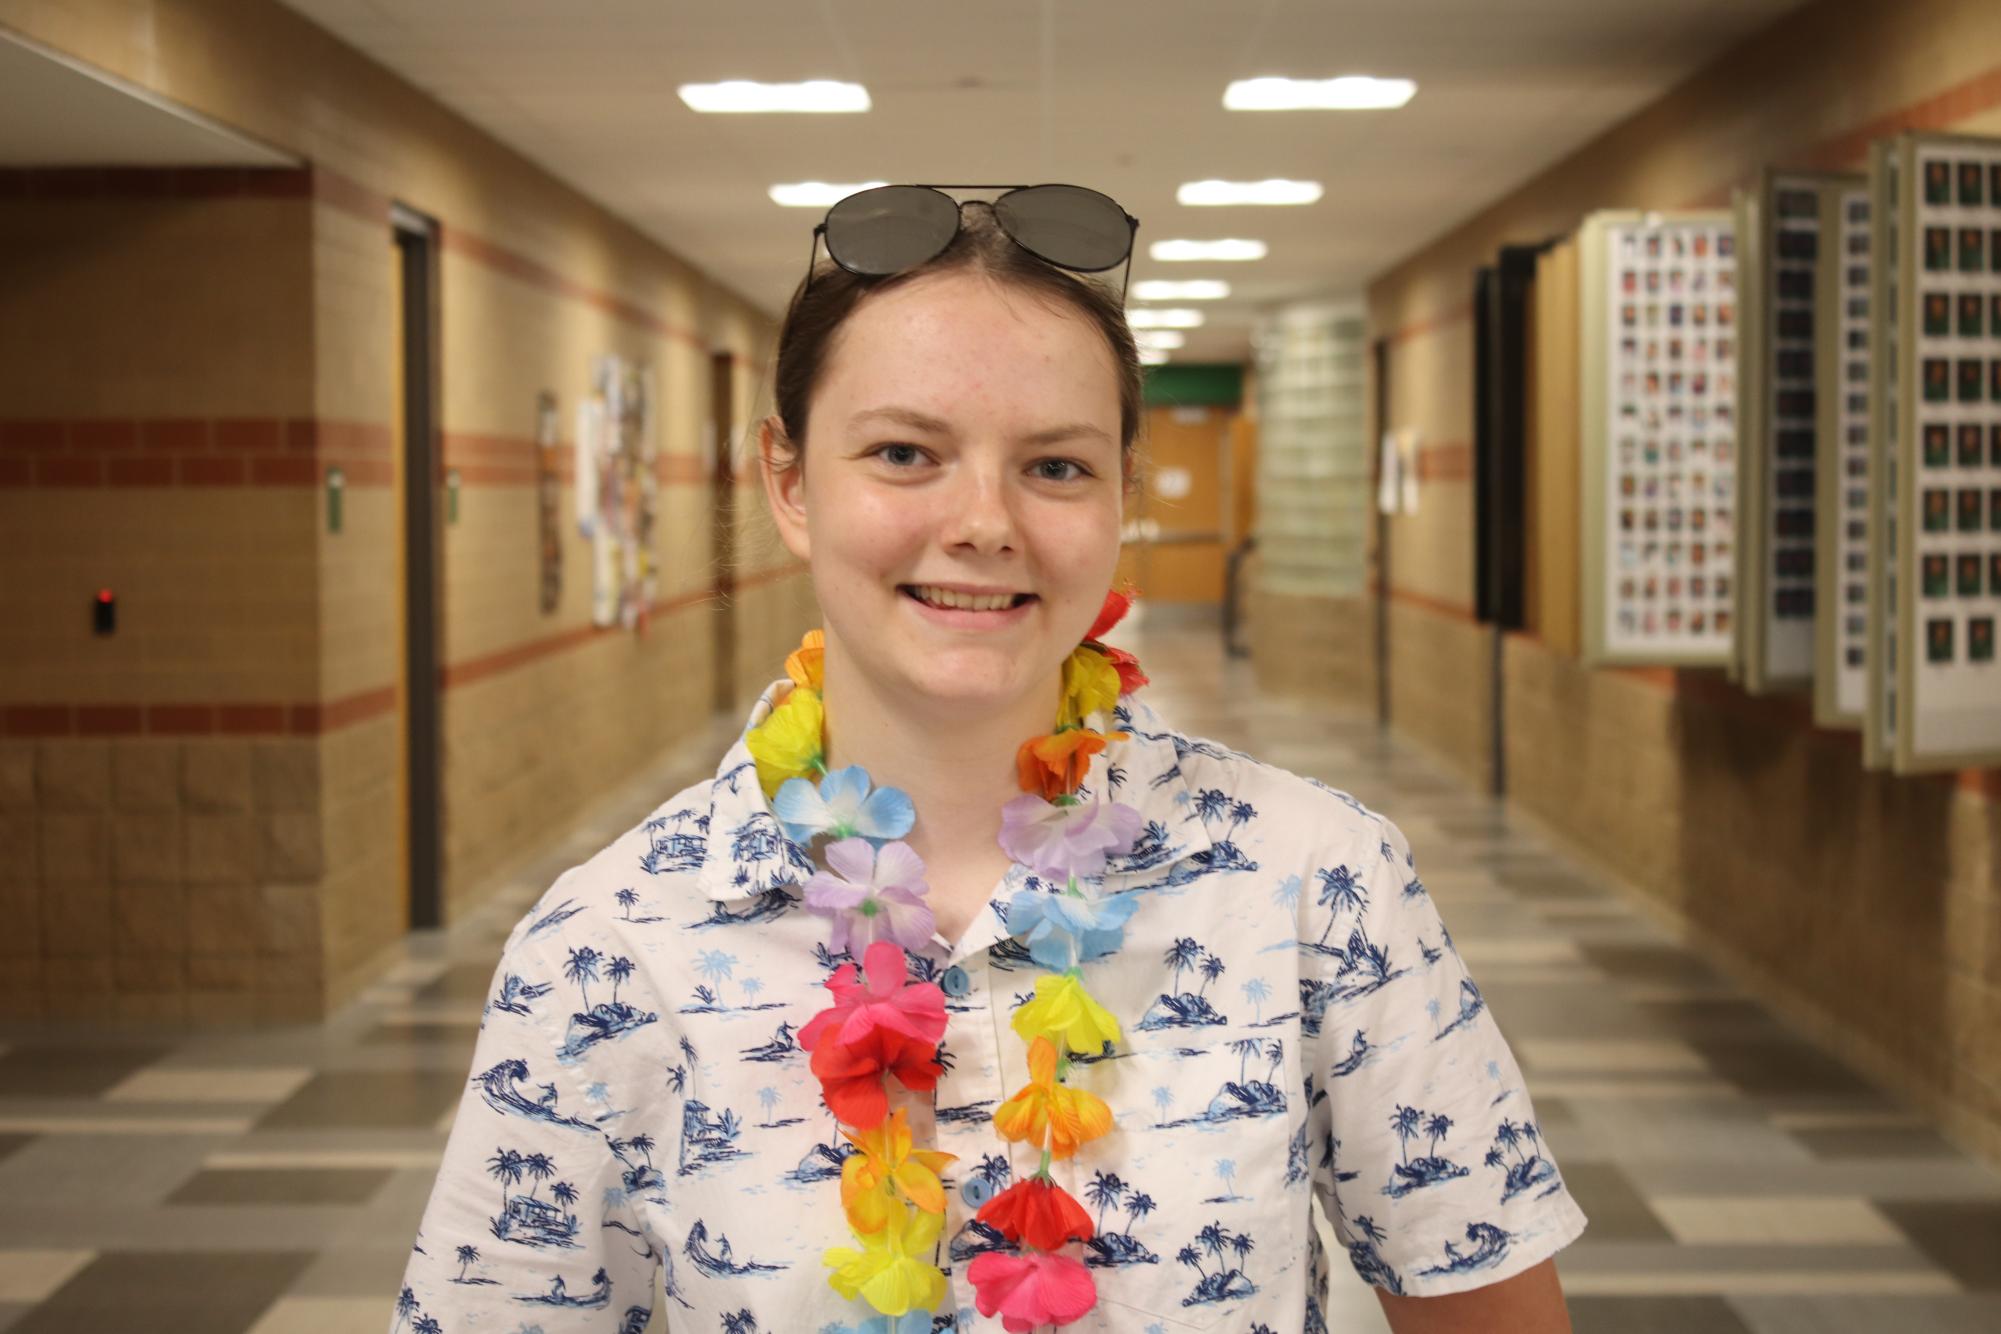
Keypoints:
pixel 1738 1180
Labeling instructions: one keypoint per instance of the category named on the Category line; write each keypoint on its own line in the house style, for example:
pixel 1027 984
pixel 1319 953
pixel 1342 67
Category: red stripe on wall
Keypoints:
pixel 310 719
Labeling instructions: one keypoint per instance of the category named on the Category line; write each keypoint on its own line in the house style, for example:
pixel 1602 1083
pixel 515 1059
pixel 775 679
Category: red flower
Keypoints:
pixel 1117 604
pixel 850 1074
pixel 1038 1212
pixel 1112 612
pixel 1030 1290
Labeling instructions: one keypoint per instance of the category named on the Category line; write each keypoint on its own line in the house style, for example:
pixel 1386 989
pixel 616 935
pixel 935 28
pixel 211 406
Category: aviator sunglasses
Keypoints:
pixel 891 228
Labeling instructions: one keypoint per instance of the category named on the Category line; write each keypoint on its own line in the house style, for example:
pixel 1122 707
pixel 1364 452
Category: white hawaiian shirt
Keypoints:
pixel 1297 1024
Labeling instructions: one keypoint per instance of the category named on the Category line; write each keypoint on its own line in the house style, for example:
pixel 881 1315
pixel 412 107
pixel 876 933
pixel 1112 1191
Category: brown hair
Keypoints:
pixel 820 307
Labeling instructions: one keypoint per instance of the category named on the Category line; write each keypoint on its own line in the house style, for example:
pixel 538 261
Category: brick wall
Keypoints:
pixel 198 349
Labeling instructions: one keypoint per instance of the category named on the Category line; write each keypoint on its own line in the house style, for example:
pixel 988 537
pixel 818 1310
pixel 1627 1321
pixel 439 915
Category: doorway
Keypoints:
pixel 415 238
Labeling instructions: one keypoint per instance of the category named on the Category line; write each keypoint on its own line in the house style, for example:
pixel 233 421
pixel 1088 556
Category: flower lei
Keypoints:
pixel 883 1026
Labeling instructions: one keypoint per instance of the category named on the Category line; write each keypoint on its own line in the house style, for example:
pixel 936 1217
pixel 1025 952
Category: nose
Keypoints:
pixel 981 517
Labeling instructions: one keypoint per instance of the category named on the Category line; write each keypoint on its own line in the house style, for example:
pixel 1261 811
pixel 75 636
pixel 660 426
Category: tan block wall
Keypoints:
pixel 1312 647
pixel 542 713
pixel 1869 906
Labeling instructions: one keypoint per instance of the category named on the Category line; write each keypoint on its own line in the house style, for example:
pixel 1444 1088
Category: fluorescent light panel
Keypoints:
pixel 1221 193
pixel 1171 318
pixel 1350 92
pixel 1194 289
pixel 1150 357
pixel 744 95
pixel 817 194
pixel 1158 340
pixel 1180 251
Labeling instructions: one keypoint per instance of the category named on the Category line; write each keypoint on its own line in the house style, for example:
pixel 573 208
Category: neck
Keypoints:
pixel 956 762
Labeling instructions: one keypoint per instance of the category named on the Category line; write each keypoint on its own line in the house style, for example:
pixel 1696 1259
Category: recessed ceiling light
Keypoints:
pixel 1150 357
pixel 1194 289
pixel 740 95
pixel 1158 340
pixel 1350 92
pixel 1201 193
pixel 1174 251
pixel 817 194
pixel 1170 318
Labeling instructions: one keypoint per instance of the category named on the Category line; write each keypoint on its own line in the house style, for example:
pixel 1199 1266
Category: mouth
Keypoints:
pixel 946 599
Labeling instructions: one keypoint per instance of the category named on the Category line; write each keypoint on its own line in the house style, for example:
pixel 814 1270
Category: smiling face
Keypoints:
pixel 963 440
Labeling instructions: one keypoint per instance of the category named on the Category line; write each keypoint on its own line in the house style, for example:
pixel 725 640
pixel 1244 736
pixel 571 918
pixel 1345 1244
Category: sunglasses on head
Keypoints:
pixel 892 228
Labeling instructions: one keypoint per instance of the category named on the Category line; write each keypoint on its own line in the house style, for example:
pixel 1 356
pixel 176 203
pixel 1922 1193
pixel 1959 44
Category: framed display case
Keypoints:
pixel 1879 653
pixel 1779 233
pixel 1841 563
pixel 1942 426
pixel 1657 318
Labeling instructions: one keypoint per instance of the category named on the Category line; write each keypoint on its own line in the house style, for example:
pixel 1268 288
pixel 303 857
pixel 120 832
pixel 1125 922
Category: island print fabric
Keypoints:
pixel 1296 1024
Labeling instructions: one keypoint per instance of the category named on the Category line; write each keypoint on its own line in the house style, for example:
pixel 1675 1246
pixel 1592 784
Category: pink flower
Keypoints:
pixel 872 893
pixel 1031 1289
pixel 884 998
pixel 1057 842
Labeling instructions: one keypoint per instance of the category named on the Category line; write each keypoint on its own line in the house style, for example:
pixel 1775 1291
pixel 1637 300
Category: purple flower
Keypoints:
pixel 1057 842
pixel 872 894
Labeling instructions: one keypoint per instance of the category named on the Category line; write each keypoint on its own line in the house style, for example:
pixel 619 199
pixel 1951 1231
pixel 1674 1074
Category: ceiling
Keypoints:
pixel 55 112
pixel 1121 95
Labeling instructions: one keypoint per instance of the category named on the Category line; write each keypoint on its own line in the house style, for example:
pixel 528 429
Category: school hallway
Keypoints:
pixel 1736 1178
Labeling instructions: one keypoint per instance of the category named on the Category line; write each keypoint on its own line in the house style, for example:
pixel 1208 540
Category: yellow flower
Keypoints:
pixel 888 1272
pixel 1062 1008
pixel 804 664
pixel 1049 1115
pixel 787 743
pixel 1090 684
pixel 886 1159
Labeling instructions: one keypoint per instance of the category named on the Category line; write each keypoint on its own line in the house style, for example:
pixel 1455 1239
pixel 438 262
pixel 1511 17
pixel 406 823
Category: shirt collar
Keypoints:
pixel 745 854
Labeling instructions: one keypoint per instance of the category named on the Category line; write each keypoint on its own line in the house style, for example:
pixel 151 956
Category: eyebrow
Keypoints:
pixel 924 421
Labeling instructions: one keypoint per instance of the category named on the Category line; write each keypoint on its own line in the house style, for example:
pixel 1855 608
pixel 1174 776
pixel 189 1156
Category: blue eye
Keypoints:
pixel 1078 472
pixel 911 450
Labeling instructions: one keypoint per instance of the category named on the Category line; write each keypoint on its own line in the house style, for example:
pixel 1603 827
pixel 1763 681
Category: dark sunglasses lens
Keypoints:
pixel 1067 225
pixel 890 228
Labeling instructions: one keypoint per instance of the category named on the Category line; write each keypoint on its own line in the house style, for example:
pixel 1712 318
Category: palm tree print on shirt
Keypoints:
pixel 1107 1250
pixel 1226 1282
pixel 1522 1168
pixel 1409 1175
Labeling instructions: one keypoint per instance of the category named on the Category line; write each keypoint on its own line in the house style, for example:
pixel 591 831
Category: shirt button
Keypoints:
pixel 955 982
pixel 976 1192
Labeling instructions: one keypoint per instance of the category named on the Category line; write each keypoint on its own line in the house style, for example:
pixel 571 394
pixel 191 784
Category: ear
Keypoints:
pixel 782 466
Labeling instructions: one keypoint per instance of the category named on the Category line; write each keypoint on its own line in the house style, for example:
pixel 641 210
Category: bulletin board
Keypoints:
pixel 1841 569
pixel 1779 227
pixel 1657 329
pixel 1947 438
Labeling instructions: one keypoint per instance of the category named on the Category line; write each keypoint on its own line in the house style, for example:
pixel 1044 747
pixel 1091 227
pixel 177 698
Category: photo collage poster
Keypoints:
pixel 1780 590
pixel 1950 437
pixel 618 488
pixel 1668 437
pixel 1841 678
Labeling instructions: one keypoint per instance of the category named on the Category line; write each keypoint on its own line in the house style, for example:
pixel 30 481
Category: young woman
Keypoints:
pixel 969 994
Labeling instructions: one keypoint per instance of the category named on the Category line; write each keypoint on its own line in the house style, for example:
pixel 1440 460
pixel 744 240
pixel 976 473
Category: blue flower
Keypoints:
pixel 842 807
pixel 910 1322
pixel 1064 930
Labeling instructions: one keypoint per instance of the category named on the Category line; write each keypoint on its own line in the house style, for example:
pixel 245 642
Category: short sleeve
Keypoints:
pixel 1429 1161
pixel 532 1220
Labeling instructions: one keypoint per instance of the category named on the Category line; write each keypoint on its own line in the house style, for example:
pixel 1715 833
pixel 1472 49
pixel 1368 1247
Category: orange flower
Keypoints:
pixel 1049 1115
pixel 887 1159
pixel 804 664
pixel 1053 765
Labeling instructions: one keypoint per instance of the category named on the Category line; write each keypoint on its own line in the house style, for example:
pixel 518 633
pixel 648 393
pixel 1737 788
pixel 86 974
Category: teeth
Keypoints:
pixel 945 597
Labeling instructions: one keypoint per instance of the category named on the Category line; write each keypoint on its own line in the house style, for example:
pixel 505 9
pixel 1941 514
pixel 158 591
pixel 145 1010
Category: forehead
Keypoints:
pixel 958 344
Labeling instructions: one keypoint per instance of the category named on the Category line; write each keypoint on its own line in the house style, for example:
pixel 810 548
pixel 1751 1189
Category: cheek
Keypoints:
pixel 871 531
